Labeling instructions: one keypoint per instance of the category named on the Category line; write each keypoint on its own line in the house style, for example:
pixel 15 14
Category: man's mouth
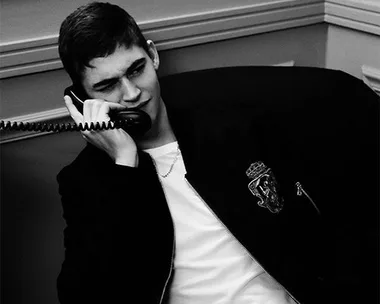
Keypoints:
pixel 140 105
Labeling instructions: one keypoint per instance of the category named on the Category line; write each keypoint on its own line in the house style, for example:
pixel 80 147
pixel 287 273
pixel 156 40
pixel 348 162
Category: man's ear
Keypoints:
pixel 153 54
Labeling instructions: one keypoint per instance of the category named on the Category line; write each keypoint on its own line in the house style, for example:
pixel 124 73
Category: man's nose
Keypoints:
pixel 131 92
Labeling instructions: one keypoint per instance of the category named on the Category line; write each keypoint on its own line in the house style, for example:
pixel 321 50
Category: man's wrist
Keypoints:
pixel 130 159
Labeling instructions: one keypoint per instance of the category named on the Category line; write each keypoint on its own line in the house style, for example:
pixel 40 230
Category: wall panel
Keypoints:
pixel 39 53
pixel 349 50
pixel 30 19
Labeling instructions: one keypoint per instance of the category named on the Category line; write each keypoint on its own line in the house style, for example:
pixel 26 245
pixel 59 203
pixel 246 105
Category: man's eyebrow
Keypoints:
pixel 136 63
pixel 133 66
pixel 104 82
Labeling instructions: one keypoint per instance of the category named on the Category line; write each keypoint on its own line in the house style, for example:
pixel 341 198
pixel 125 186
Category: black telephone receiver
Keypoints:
pixel 134 122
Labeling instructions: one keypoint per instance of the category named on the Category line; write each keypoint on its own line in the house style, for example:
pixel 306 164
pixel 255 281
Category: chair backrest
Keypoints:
pixel 307 100
pixel 268 86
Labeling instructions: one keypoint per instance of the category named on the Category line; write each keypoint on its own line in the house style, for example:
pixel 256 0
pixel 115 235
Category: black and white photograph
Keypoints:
pixel 190 152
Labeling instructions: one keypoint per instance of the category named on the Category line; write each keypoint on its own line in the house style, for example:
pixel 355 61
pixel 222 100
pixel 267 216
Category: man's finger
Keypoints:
pixel 75 114
pixel 115 106
pixel 105 108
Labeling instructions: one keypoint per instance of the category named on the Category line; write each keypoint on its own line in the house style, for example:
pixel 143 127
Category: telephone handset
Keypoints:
pixel 134 122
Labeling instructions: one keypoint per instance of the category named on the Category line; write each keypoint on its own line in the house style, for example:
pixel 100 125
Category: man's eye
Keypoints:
pixel 107 87
pixel 137 71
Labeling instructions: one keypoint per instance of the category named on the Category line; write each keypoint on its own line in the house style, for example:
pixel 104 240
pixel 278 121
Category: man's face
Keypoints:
pixel 128 77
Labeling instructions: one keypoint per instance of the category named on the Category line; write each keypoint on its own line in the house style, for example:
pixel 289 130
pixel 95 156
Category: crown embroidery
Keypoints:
pixel 263 185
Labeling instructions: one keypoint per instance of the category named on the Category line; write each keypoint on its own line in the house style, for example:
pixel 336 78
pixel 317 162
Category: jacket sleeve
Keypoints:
pixel 100 206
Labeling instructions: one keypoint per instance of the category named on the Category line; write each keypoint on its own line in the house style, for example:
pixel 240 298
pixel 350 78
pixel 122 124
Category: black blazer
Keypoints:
pixel 313 126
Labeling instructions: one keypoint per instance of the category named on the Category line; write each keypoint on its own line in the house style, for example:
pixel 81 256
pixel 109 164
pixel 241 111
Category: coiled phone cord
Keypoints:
pixel 48 127
pixel 135 122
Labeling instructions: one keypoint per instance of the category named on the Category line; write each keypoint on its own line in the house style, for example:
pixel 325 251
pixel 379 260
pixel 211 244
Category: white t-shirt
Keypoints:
pixel 210 265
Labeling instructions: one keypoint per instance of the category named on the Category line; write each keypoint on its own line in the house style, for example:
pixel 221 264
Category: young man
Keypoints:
pixel 152 219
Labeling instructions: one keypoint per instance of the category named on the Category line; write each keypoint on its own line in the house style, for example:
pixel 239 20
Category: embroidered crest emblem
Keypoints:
pixel 263 185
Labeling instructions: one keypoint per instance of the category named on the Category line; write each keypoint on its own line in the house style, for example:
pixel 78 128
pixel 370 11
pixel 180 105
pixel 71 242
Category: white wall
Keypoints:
pixel 31 19
pixel 353 40
pixel 38 52
pixel 305 46
pixel 350 50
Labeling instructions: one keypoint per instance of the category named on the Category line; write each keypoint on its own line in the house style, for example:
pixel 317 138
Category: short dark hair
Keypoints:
pixel 95 30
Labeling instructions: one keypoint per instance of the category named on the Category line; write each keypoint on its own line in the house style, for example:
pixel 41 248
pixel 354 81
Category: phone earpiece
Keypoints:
pixel 134 122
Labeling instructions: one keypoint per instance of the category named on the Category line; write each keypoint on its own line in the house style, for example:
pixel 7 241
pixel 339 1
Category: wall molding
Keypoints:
pixel 371 76
pixel 354 14
pixel 29 56
pixel 41 54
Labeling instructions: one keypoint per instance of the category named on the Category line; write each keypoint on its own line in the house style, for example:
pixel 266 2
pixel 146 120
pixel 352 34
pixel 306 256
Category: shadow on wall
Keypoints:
pixel 31 216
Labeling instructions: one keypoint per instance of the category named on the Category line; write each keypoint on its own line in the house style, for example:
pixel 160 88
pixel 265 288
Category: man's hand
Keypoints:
pixel 116 142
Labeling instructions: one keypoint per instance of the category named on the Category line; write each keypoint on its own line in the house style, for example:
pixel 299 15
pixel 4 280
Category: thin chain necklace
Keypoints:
pixel 173 163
